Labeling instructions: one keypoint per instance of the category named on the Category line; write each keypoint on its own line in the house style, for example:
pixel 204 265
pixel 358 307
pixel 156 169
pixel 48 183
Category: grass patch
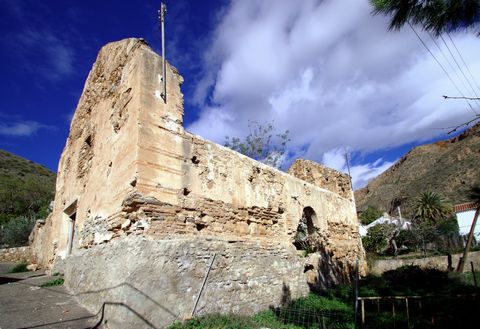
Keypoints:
pixel 53 283
pixel 232 321
pixel 337 314
pixel 22 267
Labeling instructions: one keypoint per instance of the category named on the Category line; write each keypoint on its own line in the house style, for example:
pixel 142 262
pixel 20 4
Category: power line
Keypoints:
pixel 451 66
pixel 461 70
pixel 463 61
pixel 441 66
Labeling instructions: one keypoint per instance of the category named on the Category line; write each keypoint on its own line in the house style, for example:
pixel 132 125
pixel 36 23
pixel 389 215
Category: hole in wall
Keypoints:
pixel 89 140
pixel 200 226
pixel 304 238
pixel 307 268
pixel 195 160
pixel 186 191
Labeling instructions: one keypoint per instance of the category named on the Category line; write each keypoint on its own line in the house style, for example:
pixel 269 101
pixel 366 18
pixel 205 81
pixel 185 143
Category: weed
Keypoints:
pixel 22 267
pixel 53 283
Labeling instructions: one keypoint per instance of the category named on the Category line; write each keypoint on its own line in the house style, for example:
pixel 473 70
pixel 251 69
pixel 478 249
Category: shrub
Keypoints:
pixel 22 267
pixel 15 233
pixel 53 283
pixel 369 215
pixel 377 238
pixel 406 238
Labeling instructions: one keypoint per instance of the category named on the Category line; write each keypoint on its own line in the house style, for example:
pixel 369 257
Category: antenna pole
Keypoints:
pixel 348 166
pixel 161 16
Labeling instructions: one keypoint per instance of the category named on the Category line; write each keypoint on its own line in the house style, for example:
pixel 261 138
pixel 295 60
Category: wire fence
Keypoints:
pixel 308 318
pixel 441 311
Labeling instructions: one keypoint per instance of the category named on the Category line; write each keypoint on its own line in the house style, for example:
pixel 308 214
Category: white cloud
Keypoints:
pixel 361 173
pixel 24 128
pixel 53 56
pixel 331 74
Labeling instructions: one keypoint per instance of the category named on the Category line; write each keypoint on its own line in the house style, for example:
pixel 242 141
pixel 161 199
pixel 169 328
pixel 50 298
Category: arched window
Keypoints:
pixel 306 230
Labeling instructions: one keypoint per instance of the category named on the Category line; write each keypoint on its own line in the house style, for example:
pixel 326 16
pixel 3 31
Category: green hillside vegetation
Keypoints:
pixel 26 189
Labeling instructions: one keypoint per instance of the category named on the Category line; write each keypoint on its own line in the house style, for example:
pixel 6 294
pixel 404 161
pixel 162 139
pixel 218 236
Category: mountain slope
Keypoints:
pixel 26 188
pixel 449 167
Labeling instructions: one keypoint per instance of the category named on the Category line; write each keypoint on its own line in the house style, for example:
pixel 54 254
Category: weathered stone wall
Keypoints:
pixel 324 177
pixel 161 279
pixel 153 202
pixel 16 255
pixel 438 262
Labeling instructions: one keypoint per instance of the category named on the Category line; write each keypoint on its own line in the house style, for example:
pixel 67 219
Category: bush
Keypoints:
pixel 22 267
pixel 406 238
pixel 377 238
pixel 369 215
pixel 53 283
pixel 15 233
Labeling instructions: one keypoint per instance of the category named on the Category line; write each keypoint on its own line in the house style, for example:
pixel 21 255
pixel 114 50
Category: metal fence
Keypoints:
pixel 440 311
pixel 308 318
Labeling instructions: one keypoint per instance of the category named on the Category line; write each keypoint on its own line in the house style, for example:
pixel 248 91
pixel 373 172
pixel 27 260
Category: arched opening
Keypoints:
pixel 307 231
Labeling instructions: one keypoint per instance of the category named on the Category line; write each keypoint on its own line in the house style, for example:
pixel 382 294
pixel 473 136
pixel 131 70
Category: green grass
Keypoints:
pixel 231 321
pixel 22 267
pixel 339 314
pixel 53 283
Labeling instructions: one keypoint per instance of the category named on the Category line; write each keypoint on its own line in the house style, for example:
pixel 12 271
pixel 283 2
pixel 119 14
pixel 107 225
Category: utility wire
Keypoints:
pixel 463 61
pixel 441 66
pixel 452 67
pixel 458 65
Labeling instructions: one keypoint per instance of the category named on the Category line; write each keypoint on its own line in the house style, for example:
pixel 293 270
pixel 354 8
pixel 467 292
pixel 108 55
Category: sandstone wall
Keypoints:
pixel 152 204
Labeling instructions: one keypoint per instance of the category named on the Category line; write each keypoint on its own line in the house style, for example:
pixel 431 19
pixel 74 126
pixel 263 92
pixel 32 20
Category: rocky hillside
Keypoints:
pixel 26 188
pixel 448 167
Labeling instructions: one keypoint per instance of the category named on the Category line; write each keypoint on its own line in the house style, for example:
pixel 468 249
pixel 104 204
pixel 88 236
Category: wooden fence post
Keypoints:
pixel 474 275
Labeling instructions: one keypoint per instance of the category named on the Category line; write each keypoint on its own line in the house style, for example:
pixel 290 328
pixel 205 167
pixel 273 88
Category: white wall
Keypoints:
pixel 465 219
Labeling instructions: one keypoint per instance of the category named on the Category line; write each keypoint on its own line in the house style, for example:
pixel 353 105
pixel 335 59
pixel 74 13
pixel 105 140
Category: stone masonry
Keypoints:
pixel 141 207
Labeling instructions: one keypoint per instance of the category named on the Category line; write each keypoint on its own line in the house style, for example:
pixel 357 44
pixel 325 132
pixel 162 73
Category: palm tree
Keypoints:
pixel 474 196
pixel 432 206
pixel 436 16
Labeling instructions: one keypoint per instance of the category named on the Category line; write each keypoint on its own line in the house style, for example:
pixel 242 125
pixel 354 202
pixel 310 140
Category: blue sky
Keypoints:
pixel 327 71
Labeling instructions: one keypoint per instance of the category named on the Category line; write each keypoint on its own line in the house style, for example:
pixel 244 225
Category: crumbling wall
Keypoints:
pixel 149 203
pixel 17 255
pixel 324 177
pixel 144 279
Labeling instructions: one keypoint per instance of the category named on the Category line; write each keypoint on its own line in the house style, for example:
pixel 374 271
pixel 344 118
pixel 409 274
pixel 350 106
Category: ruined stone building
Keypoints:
pixel 141 207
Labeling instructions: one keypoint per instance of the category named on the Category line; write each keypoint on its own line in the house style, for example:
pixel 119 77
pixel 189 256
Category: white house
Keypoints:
pixel 465 213
pixel 402 224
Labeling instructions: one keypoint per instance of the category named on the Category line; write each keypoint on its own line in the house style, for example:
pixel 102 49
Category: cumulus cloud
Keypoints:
pixel 332 75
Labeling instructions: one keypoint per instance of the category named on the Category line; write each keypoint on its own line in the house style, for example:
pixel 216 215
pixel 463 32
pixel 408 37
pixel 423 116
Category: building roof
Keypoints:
pixel 464 207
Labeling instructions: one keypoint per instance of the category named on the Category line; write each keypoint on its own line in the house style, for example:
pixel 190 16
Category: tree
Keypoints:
pixel 475 197
pixel 260 144
pixel 369 215
pixel 432 206
pixel 435 16
pixel 378 238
